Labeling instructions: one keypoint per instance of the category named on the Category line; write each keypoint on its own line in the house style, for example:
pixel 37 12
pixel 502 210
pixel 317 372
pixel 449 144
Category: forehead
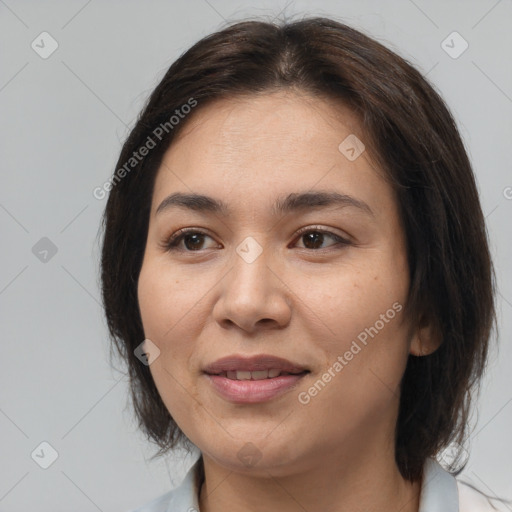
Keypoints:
pixel 294 115
pixel 250 147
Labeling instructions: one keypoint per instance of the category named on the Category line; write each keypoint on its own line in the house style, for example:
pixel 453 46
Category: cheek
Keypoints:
pixel 362 308
pixel 153 301
pixel 174 307
pixel 353 296
pixel 166 302
pixel 165 298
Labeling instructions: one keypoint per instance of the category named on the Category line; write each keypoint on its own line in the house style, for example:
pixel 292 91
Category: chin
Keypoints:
pixel 263 458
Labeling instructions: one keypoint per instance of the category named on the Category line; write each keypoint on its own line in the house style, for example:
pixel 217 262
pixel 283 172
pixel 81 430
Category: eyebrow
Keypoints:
pixel 294 202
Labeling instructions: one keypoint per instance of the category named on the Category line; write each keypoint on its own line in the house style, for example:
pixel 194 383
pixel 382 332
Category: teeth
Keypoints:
pixel 262 374
pixel 256 375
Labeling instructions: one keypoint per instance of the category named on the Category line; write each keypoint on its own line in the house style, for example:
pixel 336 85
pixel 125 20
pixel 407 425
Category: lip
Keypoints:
pixel 252 364
pixel 253 391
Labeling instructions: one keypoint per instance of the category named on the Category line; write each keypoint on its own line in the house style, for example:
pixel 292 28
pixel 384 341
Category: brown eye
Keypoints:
pixel 314 238
pixel 193 240
pixel 190 240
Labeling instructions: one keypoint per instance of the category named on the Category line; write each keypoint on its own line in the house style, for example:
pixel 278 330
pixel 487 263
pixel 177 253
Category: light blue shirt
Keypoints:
pixel 440 492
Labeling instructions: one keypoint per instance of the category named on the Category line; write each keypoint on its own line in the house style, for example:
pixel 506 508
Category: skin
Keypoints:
pixel 297 300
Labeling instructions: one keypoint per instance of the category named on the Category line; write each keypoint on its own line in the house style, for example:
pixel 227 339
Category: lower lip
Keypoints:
pixel 253 391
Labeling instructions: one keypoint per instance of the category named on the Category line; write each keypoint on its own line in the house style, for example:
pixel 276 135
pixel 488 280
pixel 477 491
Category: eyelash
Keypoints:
pixel 171 244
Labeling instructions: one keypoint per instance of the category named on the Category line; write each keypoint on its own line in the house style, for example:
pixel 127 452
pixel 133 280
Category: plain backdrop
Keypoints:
pixel 63 120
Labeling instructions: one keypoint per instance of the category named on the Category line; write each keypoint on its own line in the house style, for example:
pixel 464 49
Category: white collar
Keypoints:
pixel 438 489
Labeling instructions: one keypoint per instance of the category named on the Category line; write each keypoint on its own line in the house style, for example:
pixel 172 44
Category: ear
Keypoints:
pixel 426 339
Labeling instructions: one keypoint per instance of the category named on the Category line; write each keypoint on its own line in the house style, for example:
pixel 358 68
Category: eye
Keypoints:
pixel 315 237
pixel 192 238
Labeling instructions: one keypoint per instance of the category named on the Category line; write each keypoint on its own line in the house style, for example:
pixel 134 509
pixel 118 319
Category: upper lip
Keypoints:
pixel 253 363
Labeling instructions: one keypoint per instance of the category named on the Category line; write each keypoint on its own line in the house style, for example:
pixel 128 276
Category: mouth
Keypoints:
pixel 257 375
pixel 249 380
pixel 244 368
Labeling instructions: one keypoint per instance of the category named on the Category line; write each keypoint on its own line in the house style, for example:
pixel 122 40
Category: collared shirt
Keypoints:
pixel 440 492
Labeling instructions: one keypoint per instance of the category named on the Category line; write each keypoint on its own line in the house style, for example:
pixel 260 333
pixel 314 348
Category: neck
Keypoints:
pixel 330 483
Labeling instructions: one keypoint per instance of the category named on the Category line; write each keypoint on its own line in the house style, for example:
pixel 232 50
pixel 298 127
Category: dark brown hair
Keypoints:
pixel 413 139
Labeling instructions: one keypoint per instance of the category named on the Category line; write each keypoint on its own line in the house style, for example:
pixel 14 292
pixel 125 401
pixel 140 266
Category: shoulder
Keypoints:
pixel 441 490
pixel 473 500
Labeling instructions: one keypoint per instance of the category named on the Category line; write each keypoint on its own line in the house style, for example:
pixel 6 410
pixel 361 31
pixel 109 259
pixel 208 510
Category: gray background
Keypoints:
pixel 63 121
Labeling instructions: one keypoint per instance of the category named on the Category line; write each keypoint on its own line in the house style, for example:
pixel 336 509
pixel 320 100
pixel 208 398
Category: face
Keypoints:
pixel 282 271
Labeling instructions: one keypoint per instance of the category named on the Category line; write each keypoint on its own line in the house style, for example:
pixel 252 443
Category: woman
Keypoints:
pixel 295 268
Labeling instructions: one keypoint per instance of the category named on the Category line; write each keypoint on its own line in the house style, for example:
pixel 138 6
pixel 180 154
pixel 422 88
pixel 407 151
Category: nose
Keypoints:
pixel 253 296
